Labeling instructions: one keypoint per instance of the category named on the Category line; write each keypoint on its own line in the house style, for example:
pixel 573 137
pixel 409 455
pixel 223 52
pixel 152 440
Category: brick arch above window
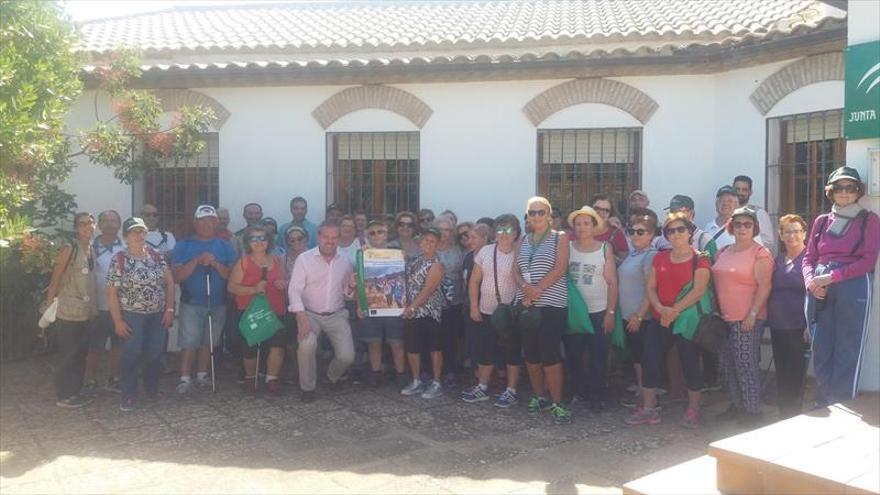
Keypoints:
pixel 806 71
pixel 595 90
pixel 372 96
pixel 172 99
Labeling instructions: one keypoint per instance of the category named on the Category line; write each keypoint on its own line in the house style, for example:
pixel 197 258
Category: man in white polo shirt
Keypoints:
pixel 742 184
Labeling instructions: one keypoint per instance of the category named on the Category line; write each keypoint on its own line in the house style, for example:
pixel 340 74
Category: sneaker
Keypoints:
pixel 506 399
pixel 691 418
pixel 476 394
pixel 273 387
pixel 561 414
pixel 433 391
pixel 90 388
pixel 203 382
pixel 634 388
pixel 74 402
pixel 415 387
pixel 643 416
pixel 632 401
pixel 128 404
pixel 537 404
pixel 183 387
pixel 660 392
pixel 113 385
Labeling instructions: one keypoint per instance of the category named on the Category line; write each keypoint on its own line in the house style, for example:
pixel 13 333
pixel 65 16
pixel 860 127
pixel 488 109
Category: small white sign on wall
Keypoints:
pixel 874 172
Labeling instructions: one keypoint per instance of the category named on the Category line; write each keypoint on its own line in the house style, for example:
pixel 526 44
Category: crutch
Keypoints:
pixel 210 331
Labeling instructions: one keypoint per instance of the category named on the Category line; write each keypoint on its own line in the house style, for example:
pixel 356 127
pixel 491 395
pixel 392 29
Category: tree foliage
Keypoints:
pixel 132 141
pixel 39 79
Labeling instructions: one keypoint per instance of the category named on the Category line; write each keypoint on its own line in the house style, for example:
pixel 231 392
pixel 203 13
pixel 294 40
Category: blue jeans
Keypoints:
pixel 143 349
pixel 839 326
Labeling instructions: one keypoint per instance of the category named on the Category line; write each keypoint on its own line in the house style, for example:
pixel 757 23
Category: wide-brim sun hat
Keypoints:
pixel 586 210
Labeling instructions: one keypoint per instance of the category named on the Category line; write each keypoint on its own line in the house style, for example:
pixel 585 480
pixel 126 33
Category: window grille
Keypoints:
pixel 374 171
pixel 176 189
pixel 576 164
pixel 802 150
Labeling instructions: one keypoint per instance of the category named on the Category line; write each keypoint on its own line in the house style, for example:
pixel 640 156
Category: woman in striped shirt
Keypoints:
pixel 540 277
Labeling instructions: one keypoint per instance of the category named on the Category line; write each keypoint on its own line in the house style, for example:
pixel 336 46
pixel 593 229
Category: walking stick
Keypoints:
pixel 210 332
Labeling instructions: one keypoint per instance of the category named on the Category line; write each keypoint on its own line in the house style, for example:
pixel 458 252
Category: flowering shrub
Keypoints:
pixel 132 142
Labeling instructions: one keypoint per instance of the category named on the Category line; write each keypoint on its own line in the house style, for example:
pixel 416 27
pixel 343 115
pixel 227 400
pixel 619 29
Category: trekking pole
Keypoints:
pixel 210 332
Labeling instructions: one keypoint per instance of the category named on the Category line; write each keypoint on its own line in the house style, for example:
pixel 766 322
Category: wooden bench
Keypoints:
pixel 832 450
pixel 694 477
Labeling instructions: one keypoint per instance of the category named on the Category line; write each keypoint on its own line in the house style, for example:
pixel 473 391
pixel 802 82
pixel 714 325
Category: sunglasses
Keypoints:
pixel 681 229
pixel 537 213
pixel 295 239
pixel 849 188
pixel 257 238
pixel 377 232
pixel 636 231
pixel 602 209
pixel 402 225
pixel 743 225
pixel 504 231
pixel 426 219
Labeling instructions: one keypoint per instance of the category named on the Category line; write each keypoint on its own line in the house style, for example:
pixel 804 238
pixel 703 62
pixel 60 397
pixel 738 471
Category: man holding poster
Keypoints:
pixel 380 284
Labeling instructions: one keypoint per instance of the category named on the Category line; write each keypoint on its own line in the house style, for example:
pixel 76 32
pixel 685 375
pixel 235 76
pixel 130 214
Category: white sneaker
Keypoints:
pixel 433 391
pixel 416 387
pixel 183 387
pixel 203 382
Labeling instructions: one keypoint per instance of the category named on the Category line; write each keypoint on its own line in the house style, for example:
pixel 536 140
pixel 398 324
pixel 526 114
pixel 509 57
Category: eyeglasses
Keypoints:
pixel 602 209
pixel 257 238
pixel 377 232
pixel 636 231
pixel 681 229
pixel 537 213
pixel 848 188
pixel 402 225
pixel 743 225
pixel 504 231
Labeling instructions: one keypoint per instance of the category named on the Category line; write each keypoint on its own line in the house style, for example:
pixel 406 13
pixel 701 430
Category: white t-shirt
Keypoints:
pixel 506 282
pixel 162 244
pixel 103 257
pixel 768 233
pixel 350 252
pixel 588 272
pixel 723 239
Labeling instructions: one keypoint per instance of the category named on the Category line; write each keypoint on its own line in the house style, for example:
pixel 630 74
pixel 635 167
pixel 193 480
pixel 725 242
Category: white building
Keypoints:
pixel 476 106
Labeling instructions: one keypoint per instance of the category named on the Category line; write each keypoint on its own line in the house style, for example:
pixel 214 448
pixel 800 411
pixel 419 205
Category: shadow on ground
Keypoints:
pixel 358 439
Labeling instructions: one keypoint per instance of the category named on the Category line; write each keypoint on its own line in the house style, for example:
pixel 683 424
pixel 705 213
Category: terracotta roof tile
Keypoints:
pixel 430 31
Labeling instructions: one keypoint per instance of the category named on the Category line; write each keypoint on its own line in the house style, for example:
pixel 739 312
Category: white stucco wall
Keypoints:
pixel 478 148
pixel 863 27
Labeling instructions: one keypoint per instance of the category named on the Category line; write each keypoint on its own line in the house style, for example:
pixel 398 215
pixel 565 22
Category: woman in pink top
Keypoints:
pixel 742 274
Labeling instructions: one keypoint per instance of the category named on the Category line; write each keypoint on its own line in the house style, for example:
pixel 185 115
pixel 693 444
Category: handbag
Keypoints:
pixel 258 322
pixel 502 317
pixel 711 328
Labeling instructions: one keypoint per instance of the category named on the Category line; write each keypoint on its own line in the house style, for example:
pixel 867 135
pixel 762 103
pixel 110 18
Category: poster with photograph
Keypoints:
pixel 384 279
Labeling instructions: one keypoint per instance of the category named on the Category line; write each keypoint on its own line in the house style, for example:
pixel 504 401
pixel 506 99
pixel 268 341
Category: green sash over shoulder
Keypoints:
pixel 688 320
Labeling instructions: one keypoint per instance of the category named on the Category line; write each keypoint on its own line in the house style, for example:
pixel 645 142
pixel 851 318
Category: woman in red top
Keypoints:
pixel 670 273
pixel 612 232
pixel 257 272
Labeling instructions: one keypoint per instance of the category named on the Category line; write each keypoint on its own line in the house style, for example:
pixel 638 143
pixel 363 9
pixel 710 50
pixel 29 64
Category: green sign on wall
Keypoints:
pixel 862 112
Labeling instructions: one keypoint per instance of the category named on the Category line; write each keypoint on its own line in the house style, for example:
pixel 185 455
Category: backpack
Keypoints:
pixel 120 258
pixel 816 235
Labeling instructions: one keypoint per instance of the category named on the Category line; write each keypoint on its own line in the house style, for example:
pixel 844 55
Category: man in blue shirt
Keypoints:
pixel 197 261
pixel 298 209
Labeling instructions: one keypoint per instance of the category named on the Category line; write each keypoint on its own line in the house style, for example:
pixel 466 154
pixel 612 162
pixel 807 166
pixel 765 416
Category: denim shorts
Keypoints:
pixel 372 329
pixel 100 329
pixel 193 332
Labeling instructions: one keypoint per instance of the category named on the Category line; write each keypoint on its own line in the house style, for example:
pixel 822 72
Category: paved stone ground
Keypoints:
pixel 356 440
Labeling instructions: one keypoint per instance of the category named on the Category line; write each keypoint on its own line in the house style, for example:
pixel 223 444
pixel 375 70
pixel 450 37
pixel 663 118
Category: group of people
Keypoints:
pixel 550 291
